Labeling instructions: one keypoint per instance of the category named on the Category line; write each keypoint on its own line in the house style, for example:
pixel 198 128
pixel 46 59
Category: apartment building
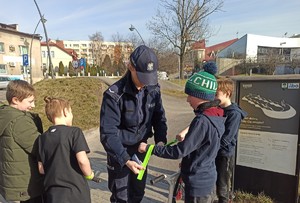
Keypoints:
pixel 95 52
pixel 14 47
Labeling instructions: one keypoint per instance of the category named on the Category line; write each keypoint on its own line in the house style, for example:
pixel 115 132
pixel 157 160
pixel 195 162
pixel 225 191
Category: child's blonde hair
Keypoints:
pixel 19 89
pixel 225 85
pixel 55 106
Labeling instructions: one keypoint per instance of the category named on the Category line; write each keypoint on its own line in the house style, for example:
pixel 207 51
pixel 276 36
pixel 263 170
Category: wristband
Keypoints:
pixel 90 177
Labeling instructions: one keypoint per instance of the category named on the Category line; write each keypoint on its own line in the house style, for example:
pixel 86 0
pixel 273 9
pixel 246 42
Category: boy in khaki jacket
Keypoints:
pixel 19 129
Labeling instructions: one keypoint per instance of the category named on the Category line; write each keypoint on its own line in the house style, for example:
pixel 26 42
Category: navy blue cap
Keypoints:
pixel 146 64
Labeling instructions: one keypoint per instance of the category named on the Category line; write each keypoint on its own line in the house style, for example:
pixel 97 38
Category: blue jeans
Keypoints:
pixel 224 166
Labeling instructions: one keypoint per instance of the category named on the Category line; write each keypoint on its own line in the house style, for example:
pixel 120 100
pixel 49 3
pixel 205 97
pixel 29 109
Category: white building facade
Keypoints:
pixel 260 49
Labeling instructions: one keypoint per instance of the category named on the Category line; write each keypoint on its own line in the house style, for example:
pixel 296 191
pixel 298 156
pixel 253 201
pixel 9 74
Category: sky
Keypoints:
pixel 77 19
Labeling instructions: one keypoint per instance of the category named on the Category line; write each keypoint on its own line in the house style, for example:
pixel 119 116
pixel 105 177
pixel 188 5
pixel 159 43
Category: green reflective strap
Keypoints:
pixel 145 162
pixel 171 143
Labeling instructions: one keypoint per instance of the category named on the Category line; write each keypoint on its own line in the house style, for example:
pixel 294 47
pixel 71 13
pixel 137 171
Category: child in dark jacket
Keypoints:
pixel 201 144
pixel 226 155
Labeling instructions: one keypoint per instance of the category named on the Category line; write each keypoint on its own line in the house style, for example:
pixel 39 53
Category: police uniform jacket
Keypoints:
pixel 128 117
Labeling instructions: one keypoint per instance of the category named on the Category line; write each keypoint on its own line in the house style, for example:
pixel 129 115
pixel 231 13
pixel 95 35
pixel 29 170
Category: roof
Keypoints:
pixel 199 44
pixel 212 51
pixel 13 29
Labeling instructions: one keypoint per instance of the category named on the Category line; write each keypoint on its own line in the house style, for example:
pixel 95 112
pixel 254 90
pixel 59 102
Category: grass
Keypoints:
pixel 174 92
pixel 243 197
pixel 84 94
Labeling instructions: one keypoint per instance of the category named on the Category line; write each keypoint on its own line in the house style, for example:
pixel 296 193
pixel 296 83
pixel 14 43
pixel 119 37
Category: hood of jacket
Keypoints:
pixel 235 107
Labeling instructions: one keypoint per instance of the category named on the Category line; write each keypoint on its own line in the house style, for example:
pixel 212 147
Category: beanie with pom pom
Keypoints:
pixel 203 84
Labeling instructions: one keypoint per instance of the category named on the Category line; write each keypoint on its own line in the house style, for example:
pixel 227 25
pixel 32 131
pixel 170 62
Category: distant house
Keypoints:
pixel 13 46
pixel 57 53
pixel 212 52
pixel 199 53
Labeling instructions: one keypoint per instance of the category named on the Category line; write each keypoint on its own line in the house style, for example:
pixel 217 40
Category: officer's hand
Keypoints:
pixel 134 167
pixel 142 147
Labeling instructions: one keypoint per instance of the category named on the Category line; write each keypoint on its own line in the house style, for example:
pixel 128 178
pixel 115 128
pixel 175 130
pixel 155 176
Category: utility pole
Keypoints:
pixel 47 41
pixel 133 28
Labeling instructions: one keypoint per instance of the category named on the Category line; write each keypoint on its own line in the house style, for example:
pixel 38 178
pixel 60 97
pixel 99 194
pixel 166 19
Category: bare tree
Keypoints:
pixel 96 43
pixel 134 39
pixel 118 66
pixel 168 60
pixel 182 22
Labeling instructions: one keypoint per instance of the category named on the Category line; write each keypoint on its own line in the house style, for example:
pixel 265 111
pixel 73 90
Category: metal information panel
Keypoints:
pixel 267 148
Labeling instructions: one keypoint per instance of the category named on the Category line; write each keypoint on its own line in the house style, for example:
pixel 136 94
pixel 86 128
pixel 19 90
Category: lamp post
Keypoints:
pixel 133 28
pixel 33 35
pixel 47 41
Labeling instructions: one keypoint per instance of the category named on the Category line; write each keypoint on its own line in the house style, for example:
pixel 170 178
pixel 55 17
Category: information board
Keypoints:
pixel 267 147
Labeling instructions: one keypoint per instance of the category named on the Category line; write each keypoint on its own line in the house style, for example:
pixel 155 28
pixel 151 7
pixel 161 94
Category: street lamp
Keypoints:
pixel 33 35
pixel 47 41
pixel 133 28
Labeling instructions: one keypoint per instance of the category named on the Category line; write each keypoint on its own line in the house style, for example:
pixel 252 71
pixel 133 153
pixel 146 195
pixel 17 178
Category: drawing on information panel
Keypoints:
pixel 272 109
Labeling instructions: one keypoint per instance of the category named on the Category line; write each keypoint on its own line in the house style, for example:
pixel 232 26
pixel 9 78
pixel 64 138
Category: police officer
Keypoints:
pixel 131 110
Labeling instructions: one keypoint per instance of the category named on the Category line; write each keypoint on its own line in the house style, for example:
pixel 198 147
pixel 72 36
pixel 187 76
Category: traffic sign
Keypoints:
pixel 75 64
pixel 82 63
pixel 25 59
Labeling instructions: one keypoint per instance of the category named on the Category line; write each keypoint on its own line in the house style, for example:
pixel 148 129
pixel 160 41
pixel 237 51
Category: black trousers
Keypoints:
pixel 123 183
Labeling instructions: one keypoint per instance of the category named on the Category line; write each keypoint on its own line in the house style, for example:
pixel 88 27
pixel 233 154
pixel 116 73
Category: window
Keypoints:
pixel 1 47
pixel 52 54
pixel 2 68
pixel 23 50
pixel 75 45
pixel 83 45
pixel 43 54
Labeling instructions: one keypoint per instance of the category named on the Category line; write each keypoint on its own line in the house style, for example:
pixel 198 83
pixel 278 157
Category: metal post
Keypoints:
pixel 133 28
pixel 47 41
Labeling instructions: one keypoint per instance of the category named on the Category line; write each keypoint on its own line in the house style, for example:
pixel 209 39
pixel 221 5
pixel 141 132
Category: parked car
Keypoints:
pixel 4 80
pixel 162 75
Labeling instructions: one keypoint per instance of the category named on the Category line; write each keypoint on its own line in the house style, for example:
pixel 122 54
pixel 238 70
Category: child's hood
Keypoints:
pixel 219 123
pixel 235 107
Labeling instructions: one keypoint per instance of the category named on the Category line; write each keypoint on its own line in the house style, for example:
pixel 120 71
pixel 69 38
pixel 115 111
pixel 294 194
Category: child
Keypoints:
pixel 19 129
pixel 201 144
pixel 226 155
pixel 63 158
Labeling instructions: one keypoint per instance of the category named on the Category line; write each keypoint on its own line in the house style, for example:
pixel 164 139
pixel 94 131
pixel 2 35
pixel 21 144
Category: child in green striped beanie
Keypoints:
pixel 203 84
